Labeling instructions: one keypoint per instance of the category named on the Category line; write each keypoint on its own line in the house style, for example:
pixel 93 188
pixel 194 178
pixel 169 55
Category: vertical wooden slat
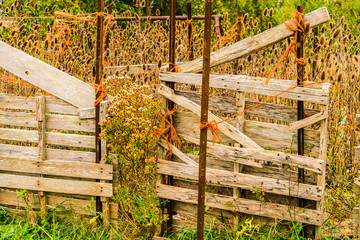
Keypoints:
pixel 104 200
pixel 41 119
pixel 321 178
pixel 240 121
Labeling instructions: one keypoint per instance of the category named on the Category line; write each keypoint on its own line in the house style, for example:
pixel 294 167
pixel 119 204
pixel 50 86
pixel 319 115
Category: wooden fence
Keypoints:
pixel 48 150
pixel 259 179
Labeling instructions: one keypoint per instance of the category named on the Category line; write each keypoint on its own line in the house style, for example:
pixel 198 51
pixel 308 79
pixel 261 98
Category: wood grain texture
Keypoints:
pixel 255 43
pixel 57 168
pixel 53 138
pixel 229 153
pixel 8 150
pixel 266 110
pixel 247 206
pixel 308 121
pixel 224 127
pixel 56 185
pixel 243 181
pixel 256 85
pixel 267 135
pixel 53 121
pixel 182 156
pixel 46 77
pixel 53 104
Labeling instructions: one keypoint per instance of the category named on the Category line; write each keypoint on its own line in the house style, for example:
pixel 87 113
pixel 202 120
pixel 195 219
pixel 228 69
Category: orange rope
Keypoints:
pixel 229 35
pixel 213 125
pixel 299 22
pixel 167 130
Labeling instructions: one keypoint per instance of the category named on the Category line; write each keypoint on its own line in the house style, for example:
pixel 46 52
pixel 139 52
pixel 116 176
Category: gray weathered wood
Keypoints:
pixel 57 168
pixel 53 104
pixel 321 180
pixel 8 150
pixel 53 138
pixel 182 156
pixel 267 135
pixel 255 43
pixel 228 153
pixel 247 206
pixel 53 121
pixel 255 85
pixel 41 118
pixel 46 77
pixel 244 181
pixel 308 121
pixel 266 110
pixel 224 127
pixel 56 185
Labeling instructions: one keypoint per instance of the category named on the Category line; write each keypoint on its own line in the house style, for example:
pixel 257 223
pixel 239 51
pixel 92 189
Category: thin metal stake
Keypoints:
pixel 190 31
pixel 170 104
pixel 204 120
pixel 300 105
pixel 98 77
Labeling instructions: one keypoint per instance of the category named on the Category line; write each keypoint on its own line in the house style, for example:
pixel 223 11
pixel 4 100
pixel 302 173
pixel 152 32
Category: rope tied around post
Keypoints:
pixel 167 130
pixel 299 22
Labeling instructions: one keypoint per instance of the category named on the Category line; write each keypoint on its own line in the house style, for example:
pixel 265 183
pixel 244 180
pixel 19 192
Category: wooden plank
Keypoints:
pixel 224 127
pixel 247 206
pixel 308 121
pixel 182 156
pixel 321 180
pixel 357 120
pixel 46 77
pixel 8 150
pixel 255 43
pixel 53 121
pixel 357 154
pixel 266 110
pixel 243 181
pixel 267 135
pixel 57 168
pixel 81 206
pixel 356 186
pixel 56 185
pixel 53 138
pixel 229 153
pixel 40 117
pixel 255 85
pixel 53 104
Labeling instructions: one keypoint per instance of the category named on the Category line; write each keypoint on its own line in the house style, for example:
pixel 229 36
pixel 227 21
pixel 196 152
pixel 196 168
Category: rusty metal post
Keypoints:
pixel 170 104
pixel 239 28
pixel 300 105
pixel 217 27
pixel 98 79
pixel 204 120
pixel 190 32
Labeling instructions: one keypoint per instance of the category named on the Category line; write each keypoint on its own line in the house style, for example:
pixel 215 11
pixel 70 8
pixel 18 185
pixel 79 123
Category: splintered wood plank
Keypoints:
pixel 266 110
pixel 53 121
pixel 256 85
pixel 53 104
pixel 46 77
pixel 56 185
pixel 57 168
pixel 308 121
pixel 242 205
pixel 255 43
pixel 244 181
pixel 228 153
pixel 8 150
pixel 53 138
pixel 267 135
pixel 224 127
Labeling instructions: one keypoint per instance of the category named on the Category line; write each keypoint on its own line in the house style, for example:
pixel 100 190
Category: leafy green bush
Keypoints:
pixel 130 132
